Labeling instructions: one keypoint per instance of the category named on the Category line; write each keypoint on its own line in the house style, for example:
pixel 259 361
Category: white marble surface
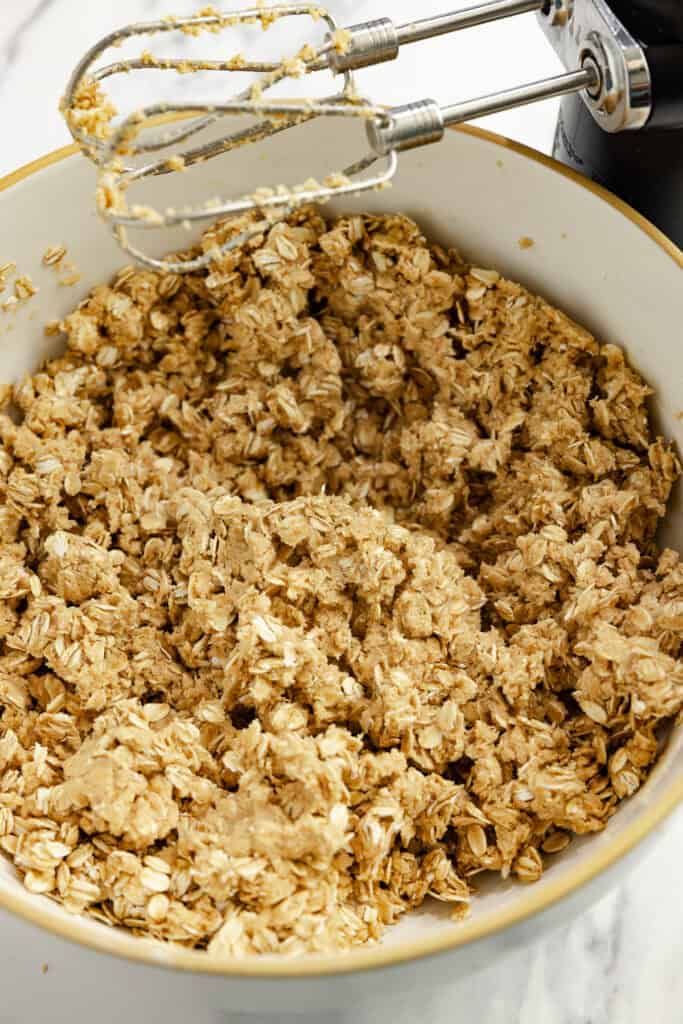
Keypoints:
pixel 619 964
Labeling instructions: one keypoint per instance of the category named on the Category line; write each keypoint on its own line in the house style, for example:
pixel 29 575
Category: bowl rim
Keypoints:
pixel 448 939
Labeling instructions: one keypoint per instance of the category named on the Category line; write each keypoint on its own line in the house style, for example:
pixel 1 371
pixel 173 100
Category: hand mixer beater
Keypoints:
pixel 605 64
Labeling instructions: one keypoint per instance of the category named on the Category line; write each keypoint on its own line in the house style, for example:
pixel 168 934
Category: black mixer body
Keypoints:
pixel 645 166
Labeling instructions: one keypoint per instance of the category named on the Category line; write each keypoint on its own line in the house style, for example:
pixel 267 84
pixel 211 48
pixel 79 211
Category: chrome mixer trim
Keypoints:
pixel 582 30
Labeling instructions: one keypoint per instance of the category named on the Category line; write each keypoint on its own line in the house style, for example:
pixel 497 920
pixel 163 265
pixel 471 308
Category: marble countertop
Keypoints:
pixel 618 964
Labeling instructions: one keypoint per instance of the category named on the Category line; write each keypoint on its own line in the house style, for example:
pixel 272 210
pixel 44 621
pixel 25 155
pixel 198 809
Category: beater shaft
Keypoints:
pixel 545 89
pixel 417 124
pixel 378 41
pixel 469 17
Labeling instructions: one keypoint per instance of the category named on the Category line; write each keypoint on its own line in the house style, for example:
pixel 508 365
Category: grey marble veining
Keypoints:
pixel 16 29
pixel 619 963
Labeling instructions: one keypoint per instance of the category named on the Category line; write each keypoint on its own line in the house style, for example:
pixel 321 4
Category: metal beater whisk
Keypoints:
pixel 601 62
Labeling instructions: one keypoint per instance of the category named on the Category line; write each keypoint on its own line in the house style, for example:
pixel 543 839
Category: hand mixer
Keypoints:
pixel 606 65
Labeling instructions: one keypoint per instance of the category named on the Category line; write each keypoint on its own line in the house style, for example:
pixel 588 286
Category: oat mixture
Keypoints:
pixel 328 582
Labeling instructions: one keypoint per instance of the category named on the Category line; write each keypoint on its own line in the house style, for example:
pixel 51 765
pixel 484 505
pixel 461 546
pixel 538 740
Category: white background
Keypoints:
pixel 620 964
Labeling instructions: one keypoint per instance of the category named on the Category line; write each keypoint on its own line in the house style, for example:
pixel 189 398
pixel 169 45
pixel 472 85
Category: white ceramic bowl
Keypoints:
pixel 591 256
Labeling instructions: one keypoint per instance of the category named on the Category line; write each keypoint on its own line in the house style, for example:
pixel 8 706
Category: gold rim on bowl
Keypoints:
pixel 449 938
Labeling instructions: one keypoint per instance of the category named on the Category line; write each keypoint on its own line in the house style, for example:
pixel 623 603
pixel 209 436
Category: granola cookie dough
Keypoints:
pixel 328 580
